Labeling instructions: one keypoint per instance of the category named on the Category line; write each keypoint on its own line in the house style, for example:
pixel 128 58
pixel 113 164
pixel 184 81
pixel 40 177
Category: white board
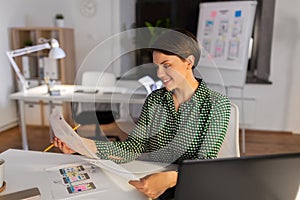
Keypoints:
pixel 224 34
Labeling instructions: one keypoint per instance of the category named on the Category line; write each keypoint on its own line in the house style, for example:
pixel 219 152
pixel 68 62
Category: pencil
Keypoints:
pixel 76 127
pixel 49 147
pixel 52 145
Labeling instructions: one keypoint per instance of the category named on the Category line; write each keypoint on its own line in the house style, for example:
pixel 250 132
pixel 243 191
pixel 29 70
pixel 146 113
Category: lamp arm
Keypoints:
pixel 27 50
pixel 16 68
pixel 20 52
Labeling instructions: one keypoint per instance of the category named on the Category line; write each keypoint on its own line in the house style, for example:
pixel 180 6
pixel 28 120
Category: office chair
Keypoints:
pixel 230 146
pixel 96 113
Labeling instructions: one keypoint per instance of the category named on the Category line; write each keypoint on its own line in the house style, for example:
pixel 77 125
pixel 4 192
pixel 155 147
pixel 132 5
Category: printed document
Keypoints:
pixel 62 130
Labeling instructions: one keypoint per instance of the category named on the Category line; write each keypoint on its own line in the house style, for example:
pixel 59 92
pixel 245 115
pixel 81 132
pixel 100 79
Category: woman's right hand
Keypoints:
pixel 62 146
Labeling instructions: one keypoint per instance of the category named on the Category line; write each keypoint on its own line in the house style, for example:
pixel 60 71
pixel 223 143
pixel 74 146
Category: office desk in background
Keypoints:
pixel 26 169
pixel 68 94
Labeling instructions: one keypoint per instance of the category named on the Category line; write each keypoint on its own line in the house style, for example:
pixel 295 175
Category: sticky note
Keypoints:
pixel 213 13
pixel 238 13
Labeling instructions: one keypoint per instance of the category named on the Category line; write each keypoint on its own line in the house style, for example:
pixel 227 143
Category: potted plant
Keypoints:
pixel 154 28
pixel 59 20
pixel 28 43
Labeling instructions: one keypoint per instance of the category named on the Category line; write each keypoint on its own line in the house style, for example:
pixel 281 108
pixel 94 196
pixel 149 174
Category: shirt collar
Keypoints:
pixel 200 94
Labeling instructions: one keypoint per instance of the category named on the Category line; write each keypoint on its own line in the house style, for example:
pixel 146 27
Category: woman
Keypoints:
pixel 182 120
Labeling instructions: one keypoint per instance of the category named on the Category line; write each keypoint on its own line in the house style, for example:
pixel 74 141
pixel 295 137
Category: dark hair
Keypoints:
pixel 178 42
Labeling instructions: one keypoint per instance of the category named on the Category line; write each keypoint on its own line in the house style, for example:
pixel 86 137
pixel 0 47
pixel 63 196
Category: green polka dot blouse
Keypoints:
pixel 195 131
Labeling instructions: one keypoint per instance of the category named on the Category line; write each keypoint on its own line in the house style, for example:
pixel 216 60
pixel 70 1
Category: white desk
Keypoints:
pixel 26 169
pixel 67 94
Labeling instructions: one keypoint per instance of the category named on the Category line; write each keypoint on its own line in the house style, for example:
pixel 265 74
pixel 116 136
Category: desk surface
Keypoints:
pixel 26 169
pixel 68 94
pixel 117 94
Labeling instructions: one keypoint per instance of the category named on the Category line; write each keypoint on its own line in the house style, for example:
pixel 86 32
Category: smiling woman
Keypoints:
pixel 176 75
pixel 183 120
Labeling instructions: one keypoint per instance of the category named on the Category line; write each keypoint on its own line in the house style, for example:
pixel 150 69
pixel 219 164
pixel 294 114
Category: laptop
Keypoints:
pixel 246 178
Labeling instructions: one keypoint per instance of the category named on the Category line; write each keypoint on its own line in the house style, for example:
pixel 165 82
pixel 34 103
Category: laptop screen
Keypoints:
pixel 248 178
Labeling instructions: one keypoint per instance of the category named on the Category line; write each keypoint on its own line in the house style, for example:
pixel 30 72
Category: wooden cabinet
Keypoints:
pixel 36 66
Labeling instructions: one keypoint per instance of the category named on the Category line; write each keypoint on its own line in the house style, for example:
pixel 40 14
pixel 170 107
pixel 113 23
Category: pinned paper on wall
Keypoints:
pixel 224 33
pixel 213 13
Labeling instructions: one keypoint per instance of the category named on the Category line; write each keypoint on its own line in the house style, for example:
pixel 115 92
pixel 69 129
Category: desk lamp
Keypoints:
pixel 55 53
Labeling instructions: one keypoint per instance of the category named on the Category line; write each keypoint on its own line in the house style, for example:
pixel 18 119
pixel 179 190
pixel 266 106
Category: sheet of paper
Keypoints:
pixel 64 132
pixel 73 176
pixel 114 168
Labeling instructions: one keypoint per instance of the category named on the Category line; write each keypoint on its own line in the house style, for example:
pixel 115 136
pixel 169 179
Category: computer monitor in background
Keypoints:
pixel 247 178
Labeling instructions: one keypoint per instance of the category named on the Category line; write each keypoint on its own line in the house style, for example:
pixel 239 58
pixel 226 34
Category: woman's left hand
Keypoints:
pixel 156 184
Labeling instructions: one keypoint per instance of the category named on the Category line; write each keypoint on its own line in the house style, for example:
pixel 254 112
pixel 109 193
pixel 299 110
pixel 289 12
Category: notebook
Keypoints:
pixel 247 178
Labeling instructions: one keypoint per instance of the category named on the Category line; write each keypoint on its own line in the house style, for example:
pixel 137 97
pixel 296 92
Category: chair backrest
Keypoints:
pixel 230 146
pixel 98 79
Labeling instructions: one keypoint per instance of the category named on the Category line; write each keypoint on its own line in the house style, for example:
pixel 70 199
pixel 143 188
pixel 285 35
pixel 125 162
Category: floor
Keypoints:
pixel 257 142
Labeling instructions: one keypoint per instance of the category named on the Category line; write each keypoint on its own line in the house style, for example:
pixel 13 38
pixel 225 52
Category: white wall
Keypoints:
pixel 275 106
pixel 288 34
pixel 7 108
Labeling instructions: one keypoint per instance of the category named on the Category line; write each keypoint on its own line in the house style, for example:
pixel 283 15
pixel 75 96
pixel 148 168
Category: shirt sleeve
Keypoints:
pixel 217 128
pixel 133 146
